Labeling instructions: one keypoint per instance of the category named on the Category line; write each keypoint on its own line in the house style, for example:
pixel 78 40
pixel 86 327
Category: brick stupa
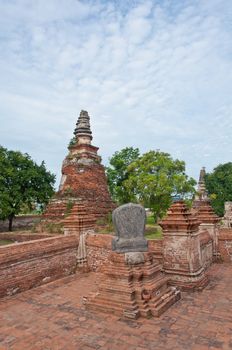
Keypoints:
pixel 205 214
pixel 201 205
pixel 83 178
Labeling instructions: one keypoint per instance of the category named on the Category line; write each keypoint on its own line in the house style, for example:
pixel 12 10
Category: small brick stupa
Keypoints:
pixel 201 189
pixel 83 178
pixel 205 214
pixel 201 205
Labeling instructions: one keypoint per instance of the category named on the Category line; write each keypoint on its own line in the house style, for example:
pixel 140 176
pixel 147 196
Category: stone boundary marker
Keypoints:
pixel 129 222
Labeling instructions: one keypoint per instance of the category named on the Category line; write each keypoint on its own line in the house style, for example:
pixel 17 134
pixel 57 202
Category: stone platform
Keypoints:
pixel 52 317
pixel 133 290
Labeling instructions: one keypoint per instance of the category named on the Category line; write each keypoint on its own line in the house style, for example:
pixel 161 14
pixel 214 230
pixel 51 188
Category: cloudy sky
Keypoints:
pixel 153 74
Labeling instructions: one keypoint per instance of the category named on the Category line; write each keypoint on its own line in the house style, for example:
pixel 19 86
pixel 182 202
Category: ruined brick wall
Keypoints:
pixel 98 250
pixel 30 264
pixel 20 222
pixel 225 244
pixel 27 265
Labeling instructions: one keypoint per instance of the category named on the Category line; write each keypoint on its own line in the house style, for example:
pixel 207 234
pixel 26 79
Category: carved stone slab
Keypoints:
pixel 129 222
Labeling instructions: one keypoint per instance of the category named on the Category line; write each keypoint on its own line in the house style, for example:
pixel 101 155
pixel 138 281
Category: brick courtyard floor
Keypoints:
pixel 52 317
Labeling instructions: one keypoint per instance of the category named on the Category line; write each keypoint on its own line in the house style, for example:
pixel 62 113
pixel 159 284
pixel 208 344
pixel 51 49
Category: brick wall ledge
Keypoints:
pixel 23 237
pixel 27 250
pixel 99 240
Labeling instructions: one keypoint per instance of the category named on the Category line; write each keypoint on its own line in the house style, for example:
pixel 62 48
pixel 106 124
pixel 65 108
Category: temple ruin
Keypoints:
pixel 121 279
pixel 83 178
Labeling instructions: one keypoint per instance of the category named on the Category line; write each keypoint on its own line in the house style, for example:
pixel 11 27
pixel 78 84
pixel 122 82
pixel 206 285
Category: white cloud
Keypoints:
pixel 152 74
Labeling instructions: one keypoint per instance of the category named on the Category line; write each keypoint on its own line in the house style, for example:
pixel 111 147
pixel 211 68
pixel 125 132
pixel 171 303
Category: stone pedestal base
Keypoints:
pixel 132 285
pixel 187 281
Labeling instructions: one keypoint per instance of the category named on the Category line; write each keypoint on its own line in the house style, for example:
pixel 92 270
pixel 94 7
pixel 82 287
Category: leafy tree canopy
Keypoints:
pixel 117 173
pixel 23 184
pixel 219 186
pixel 151 179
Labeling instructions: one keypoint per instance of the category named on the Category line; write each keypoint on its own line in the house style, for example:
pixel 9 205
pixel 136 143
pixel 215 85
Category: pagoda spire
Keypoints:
pixel 201 189
pixel 82 131
pixel 202 175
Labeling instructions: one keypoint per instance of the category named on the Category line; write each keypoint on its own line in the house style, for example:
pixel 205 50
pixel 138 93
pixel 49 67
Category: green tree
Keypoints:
pixel 155 178
pixel 117 173
pixel 23 183
pixel 219 186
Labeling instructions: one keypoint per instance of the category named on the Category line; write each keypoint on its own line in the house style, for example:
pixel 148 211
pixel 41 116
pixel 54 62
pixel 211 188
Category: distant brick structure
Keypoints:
pixel 83 177
pixel 201 204
pixel 201 188
pixel 205 214
pixel 21 222
pixel 225 244
pixel 227 219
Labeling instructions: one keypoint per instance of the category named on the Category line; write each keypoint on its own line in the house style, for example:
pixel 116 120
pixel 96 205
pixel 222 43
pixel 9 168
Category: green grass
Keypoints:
pixel 153 235
pixel 5 241
pixel 104 229
pixel 150 220
pixel 153 231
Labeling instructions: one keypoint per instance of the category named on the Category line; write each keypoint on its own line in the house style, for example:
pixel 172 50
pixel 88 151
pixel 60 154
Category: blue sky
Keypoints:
pixel 152 74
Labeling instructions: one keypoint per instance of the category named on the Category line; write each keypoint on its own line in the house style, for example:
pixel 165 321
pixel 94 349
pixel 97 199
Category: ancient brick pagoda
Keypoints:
pixel 83 177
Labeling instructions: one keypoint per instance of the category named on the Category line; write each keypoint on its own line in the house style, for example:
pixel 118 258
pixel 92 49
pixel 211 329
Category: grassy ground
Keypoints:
pixel 5 242
pixel 152 230
pixel 150 220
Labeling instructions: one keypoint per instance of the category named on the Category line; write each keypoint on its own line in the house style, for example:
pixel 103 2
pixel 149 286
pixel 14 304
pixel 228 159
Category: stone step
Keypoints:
pixel 164 302
pixel 112 300
pixel 117 308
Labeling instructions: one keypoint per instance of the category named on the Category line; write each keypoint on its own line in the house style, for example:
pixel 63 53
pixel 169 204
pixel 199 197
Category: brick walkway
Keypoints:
pixel 52 317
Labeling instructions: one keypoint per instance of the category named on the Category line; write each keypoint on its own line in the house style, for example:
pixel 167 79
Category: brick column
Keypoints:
pixel 181 248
